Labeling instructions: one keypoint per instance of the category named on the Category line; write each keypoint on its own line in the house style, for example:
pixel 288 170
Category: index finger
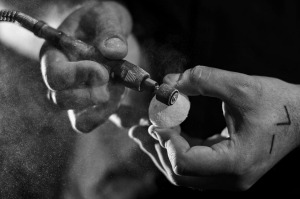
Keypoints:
pixel 225 85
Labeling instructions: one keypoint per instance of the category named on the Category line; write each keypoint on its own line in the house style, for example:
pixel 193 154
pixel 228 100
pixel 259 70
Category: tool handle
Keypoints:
pixel 123 71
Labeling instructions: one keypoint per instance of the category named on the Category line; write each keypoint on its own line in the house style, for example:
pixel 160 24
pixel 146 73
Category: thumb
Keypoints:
pixel 113 25
pixel 201 80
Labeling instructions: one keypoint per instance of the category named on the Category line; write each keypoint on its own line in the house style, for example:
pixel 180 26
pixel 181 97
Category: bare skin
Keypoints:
pixel 262 117
pixel 261 113
pixel 83 87
pixel 42 157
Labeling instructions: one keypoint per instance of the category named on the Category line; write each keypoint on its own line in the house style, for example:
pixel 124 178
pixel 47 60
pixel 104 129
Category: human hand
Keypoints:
pixel 262 117
pixel 83 86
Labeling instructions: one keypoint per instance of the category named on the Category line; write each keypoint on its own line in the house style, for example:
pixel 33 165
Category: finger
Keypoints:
pixel 177 129
pixel 199 182
pixel 210 141
pixel 213 82
pixel 166 165
pixel 99 21
pixel 60 74
pixel 80 98
pixel 87 120
pixel 160 157
pixel 152 130
pixel 147 144
pixel 172 79
pixel 193 141
pixel 197 160
pixel 113 24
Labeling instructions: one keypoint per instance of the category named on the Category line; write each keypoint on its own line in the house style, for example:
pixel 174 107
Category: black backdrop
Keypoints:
pixel 256 37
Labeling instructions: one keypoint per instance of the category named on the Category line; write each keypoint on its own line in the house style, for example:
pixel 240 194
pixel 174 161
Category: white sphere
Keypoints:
pixel 165 116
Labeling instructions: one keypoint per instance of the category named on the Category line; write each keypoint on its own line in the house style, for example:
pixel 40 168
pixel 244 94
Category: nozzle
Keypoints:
pixel 164 93
pixel 150 85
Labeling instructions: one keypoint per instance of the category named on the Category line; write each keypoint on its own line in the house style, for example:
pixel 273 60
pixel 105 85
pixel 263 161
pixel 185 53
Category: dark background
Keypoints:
pixel 258 37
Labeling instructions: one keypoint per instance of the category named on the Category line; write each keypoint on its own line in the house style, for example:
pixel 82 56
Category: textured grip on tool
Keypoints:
pixel 7 15
pixel 130 75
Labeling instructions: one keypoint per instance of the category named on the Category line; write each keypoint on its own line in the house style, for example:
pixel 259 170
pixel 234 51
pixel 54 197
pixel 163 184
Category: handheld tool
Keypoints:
pixel 128 74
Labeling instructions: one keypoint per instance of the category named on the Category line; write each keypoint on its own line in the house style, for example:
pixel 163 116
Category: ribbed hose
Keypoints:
pixel 129 74
pixel 15 16
pixel 9 16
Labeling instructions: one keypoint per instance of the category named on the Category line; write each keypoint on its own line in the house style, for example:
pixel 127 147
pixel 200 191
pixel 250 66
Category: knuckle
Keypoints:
pixel 55 81
pixel 247 86
pixel 98 77
pixel 179 167
pixel 196 74
pixel 61 100
pixel 69 99
pixel 60 76
pixel 258 87
pixel 199 74
pixel 56 72
pixel 98 95
pixel 93 96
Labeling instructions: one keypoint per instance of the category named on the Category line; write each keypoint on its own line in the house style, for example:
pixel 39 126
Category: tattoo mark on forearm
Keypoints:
pixel 288 122
pixel 272 143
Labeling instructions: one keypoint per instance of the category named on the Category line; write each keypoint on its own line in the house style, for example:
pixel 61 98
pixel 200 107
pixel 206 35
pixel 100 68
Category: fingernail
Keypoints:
pixel 173 79
pixel 179 78
pixel 152 132
pixel 114 42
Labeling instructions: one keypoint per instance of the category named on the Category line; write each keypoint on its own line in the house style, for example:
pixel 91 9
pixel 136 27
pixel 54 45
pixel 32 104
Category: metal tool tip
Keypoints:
pixel 167 94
